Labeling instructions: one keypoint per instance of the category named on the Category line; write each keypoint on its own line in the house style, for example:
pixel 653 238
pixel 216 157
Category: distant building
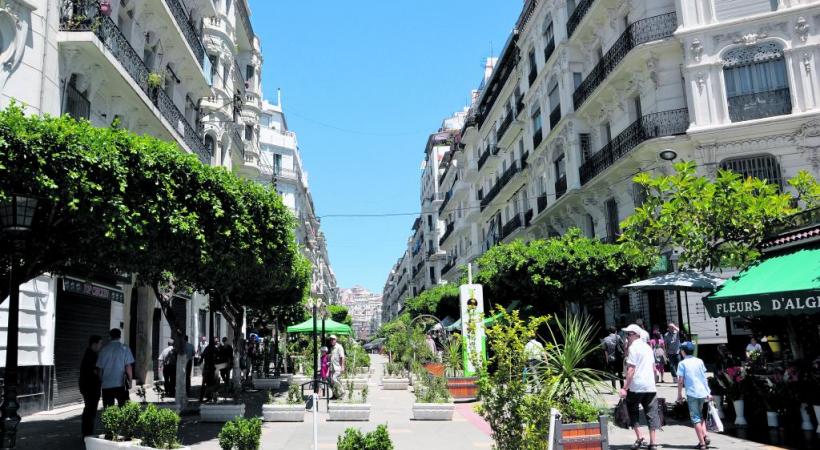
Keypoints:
pixel 365 308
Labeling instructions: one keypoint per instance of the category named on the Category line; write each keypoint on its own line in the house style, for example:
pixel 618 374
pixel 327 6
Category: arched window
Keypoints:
pixel 757 84
pixel 763 167
pixel 210 144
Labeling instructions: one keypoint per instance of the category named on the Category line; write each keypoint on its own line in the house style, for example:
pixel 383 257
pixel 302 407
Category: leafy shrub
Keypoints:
pixel 432 390
pixel 353 439
pixel 579 411
pixel 111 419
pixel 130 415
pixel 158 427
pixel 120 423
pixel 241 434
pixel 294 394
pixel 394 369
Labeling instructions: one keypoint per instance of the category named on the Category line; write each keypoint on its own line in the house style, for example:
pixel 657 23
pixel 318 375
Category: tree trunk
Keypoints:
pixel 238 348
pixel 165 301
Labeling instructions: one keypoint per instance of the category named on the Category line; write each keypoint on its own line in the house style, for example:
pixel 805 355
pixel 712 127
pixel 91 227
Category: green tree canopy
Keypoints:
pixel 340 314
pixel 440 301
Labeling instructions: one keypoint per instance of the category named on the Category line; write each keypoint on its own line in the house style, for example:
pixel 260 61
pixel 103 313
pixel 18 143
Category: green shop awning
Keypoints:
pixel 787 284
pixel 331 327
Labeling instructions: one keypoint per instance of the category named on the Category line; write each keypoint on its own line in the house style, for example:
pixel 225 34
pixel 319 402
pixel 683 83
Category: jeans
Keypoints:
pixel 120 394
pixel 649 402
pixel 91 400
pixel 695 409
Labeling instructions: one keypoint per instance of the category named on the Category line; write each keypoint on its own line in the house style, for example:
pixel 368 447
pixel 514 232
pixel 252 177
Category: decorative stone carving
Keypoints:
pixel 750 38
pixel 700 80
pixel 696 48
pixel 15 18
pixel 801 28
pixel 807 62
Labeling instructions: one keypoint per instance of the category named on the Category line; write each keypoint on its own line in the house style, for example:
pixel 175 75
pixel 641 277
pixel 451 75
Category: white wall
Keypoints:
pixel 36 337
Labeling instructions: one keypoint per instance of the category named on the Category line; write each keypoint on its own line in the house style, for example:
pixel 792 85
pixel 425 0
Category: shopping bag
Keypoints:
pixel 714 423
pixel 620 415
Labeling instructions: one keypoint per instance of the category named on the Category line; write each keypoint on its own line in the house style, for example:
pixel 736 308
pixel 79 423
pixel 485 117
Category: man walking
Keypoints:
pixel 114 364
pixel 672 340
pixel 90 384
pixel 639 387
pixel 226 356
pixel 189 364
pixel 692 377
pixel 614 356
pixel 168 362
pixel 337 366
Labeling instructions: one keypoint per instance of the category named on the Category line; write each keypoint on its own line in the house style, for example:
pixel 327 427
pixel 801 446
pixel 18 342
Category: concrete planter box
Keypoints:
pixel 299 379
pixel 283 413
pixel 221 412
pixel 395 384
pixel 433 411
pixel 349 411
pixel 266 383
pixel 358 383
pixel 286 378
pixel 97 443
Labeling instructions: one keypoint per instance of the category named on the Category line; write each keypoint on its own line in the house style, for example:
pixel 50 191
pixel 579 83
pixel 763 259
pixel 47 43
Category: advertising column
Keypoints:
pixel 472 325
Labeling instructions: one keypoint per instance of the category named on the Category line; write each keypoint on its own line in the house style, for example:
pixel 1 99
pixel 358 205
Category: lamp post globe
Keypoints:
pixel 668 155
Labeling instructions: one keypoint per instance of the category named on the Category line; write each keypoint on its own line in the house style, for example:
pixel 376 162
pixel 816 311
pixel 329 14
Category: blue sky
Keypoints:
pixel 364 82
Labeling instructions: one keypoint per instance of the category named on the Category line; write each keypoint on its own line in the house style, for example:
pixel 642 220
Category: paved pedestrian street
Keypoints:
pixel 59 429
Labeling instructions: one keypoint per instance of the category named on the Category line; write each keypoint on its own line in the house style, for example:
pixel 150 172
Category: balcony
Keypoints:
pixel 637 33
pixel 549 50
pixel 758 105
pixel 536 138
pixel 448 230
pixel 542 202
pixel 577 15
pixel 560 186
pixel 512 225
pixel 188 30
pixel 555 116
pixel 505 178
pixel 505 125
pixel 131 63
pixel 651 126
pixel 483 158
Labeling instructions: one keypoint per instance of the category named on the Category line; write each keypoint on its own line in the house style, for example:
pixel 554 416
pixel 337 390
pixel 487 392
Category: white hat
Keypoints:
pixel 633 329
pixel 333 336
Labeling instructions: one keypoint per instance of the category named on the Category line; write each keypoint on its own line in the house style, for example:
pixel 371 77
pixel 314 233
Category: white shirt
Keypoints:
pixel 644 335
pixel 336 357
pixel 643 359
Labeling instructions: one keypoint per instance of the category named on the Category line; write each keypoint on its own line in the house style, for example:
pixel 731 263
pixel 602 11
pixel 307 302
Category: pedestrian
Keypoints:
pixel 114 364
pixel 168 362
pixel 189 364
pixel 639 387
pixel 692 377
pixel 210 357
pixel 90 384
pixel 226 356
pixel 672 341
pixel 644 333
pixel 337 366
pixel 613 346
pixel 324 372
pixel 753 348
pixel 659 350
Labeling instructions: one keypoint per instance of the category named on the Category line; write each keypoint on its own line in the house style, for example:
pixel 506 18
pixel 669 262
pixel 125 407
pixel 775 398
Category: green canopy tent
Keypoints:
pixel 331 326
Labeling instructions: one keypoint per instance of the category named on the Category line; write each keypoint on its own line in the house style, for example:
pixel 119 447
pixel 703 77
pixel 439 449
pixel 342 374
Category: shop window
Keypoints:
pixel 757 83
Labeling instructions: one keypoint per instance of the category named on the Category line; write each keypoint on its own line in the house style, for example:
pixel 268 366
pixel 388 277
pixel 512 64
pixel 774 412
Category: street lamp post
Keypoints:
pixel 16 217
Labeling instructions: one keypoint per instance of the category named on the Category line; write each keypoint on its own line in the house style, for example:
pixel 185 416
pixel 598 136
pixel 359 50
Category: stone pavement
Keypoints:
pixel 59 429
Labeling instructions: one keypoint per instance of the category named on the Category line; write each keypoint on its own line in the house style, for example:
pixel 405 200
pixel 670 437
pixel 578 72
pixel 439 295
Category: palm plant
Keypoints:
pixel 453 355
pixel 563 373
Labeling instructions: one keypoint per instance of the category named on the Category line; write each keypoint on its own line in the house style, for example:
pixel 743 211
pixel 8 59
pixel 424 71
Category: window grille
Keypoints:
pixel 763 167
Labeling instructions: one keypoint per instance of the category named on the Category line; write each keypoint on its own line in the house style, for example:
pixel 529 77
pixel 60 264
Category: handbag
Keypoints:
pixel 713 423
pixel 620 415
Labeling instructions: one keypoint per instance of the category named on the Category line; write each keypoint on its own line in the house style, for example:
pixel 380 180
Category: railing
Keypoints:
pixel 536 138
pixel 505 125
pixel 575 18
pixel 512 225
pixel 560 186
pixel 758 105
pixel 448 230
pixel 76 104
pixel 483 158
pixel 471 120
pixel 188 29
pixel 526 14
pixel 548 50
pixel 528 217
pixel 637 33
pixel 586 146
pixel 555 116
pixel 542 202
pixel 665 123
pixel 85 18
pixel 505 178
pixel 246 18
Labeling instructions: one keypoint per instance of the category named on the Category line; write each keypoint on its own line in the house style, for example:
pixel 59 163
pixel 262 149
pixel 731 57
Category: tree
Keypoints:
pixel 546 275
pixel 715 223
pixel 340 314
pixel 440 301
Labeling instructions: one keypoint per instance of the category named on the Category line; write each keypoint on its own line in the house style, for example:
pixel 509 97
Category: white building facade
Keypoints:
pixel 587 93
pixel 365 309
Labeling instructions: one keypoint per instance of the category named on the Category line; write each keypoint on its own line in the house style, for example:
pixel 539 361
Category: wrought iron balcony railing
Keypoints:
pixel 505 125
pixel 505 178
pixel 650 126
pixel 512 225
pixel 542 202
pixel 188 30
pixel 758 105
pixel 577 15
pixel 637 33
pixel 536 138
pixel 548 51
pixel 560 186
pixel 555 116
pixel 85 17
pixel 448 230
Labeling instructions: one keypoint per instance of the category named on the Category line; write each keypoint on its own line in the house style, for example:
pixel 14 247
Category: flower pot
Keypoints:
pixel 283 413
pixel 221 412
pixel 395 384
pixel 463 388
pixel 740 419
pixel 718 399
pixel 817 416
pixel 435 369
pixel 805 418
pixel 349 411
pixel 433 411
pixel 771 419
pixel 266 383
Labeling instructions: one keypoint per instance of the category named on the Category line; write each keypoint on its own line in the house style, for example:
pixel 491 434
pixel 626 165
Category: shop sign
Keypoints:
pixel 804 302
pixel 92 290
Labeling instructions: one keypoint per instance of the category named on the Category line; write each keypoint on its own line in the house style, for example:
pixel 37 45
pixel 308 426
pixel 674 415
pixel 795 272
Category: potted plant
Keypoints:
pixel 353 407
pixel 229 408
pixel 581 423
pixel 354 439
pixel 460 387
pixel 433 400
pixel 241 434
pixel 130 426
pixel 285 409
pixel 734 380
pixel 395 380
